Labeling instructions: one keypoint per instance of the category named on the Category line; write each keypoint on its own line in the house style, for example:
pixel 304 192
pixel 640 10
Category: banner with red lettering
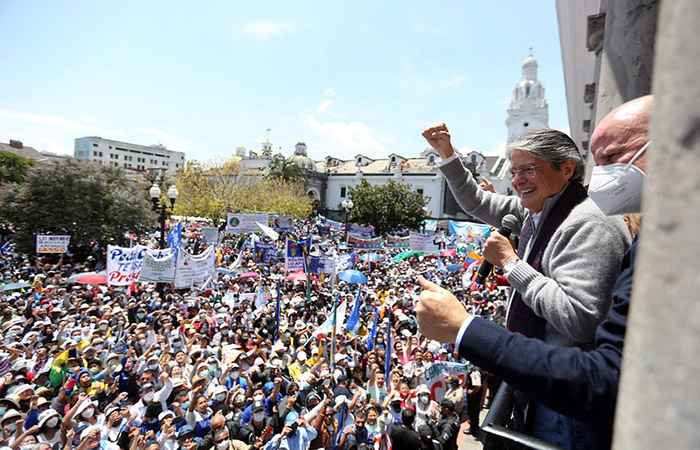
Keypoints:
pixel 435 374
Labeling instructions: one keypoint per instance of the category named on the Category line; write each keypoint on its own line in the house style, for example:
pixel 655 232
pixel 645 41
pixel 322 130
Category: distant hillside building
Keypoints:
pixel 133 158
pixel 18 148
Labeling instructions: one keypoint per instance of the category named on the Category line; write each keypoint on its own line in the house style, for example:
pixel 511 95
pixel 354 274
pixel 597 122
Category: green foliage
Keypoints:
pixel 87 201
pixel 212 190
pixel 13 167
pixel 387 207
pixel 286 169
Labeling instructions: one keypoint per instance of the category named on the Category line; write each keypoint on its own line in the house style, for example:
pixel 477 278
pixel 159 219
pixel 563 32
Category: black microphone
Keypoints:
pixel 508 222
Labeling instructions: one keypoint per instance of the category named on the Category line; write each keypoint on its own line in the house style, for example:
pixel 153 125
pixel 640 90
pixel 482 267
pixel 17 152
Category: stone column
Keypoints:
pixel 659 401
pixel 628 54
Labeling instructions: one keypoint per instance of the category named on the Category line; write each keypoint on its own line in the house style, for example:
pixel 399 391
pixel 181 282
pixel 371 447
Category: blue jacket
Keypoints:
pixel 579 384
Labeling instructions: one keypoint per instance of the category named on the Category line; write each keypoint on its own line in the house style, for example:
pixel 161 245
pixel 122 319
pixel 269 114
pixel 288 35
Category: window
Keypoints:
pixel 343 191
pixel 94 145
pixel 94 153
pixel 100 153
pixel 420 191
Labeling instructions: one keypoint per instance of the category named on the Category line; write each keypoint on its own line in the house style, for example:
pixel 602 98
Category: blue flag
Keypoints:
pixel 353 324
pixel 441 266
pixel 373 332
pixel 387 359
pixel 175 237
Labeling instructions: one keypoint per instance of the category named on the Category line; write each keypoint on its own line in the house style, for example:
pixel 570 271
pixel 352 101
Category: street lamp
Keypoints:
pixel 162 207
pixel 347 206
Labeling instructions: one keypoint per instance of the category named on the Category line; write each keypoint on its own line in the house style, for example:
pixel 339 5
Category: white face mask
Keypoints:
pixel 148 396
pixel 88 412
pixel 235 375
pixel 617 188
pixel 52 422
pixel 259 416
pixel 424 398
pixel 258 397
pixel 221 397
pixel 222 445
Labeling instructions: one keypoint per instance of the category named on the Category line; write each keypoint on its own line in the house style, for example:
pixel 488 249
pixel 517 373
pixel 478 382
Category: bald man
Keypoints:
pixel 579 384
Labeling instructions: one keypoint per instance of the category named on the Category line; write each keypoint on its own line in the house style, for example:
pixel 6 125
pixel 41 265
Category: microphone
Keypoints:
pixel 508 222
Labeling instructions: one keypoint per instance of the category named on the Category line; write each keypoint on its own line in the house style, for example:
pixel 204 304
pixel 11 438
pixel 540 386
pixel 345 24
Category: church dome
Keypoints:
pixel 303 161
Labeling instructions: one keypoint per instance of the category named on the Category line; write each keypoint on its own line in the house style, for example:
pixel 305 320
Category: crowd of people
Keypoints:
pixel 147 367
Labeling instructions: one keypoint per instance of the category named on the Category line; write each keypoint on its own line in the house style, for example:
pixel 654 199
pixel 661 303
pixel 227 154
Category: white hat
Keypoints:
pixel 301 356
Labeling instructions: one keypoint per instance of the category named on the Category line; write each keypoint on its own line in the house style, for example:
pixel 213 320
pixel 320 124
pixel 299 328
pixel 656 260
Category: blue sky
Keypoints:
pixel 205 77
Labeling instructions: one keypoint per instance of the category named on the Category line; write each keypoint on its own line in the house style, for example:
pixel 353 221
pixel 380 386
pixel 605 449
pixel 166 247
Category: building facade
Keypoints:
pixel 132 158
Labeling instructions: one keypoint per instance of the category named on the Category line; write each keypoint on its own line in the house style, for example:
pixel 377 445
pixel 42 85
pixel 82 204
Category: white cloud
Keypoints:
pixel 171 141
pixel 261 30
pixel 345 139
pixel 329 92
pixel 48 120
pixel 323 107
pixel 456 81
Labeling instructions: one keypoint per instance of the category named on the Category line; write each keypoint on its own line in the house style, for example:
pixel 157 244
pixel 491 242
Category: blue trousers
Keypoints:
pixel 562 431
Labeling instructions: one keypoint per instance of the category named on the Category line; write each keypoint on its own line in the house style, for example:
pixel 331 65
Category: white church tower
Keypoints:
pixel 528 109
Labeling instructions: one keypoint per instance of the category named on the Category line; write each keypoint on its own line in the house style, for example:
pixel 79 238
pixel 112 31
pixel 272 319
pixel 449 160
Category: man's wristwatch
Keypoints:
pixel 509 266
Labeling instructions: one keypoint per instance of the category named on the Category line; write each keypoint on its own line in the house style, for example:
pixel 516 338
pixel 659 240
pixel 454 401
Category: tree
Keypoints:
pixel 84 200
pixel 287 169
pixel 212 190
pixel 13 167
pixel 388 207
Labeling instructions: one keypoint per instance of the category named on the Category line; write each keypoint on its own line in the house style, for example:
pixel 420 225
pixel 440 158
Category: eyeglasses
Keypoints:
pixel 527 171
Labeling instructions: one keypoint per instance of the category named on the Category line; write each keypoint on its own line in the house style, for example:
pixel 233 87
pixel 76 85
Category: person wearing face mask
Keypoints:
pixel 219 424
pixel 567 260
pixel 577 383
pixel 48 424
pixel 254 430
pixel 426 409
pixel 148 394
pixel 295 435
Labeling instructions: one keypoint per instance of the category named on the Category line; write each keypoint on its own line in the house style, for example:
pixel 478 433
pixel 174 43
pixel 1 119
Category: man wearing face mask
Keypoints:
pixel 580 384
pixel 254 430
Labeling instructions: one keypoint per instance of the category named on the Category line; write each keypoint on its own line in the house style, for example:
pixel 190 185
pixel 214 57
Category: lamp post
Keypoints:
pixel 347 206
pixel 162 207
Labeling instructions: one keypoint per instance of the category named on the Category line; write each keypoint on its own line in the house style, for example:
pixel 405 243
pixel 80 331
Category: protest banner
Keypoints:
pixel 434 376
pixel 124 264
pixel 359 242
pixel 283 223
pixel 322 264
pixel 468 229
pixel 157 269
pixel 294 254
pixel 397 242
pixel 333 224
pixel 245 223
pixel 355 229
pixel 191 269
pixel 52 244
pixel 427 243
pixel 265 254
pixel 211 234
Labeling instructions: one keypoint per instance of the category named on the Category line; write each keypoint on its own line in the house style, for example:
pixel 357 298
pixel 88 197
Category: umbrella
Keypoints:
pixel 373 257
pixel 248 275
pixel 296 276
pixel 224 270
pixel 13 286
pixel 453 267
pixel 405 255
pixel 92 279
pixel 74 278
pixel 300 276
pixel 353 276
